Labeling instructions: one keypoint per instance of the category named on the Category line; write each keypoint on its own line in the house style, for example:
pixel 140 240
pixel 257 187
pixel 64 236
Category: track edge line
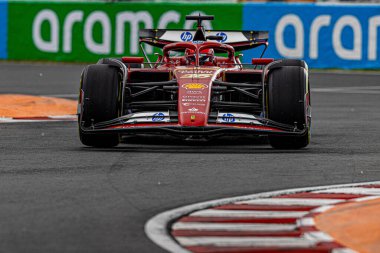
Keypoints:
pixel 157 227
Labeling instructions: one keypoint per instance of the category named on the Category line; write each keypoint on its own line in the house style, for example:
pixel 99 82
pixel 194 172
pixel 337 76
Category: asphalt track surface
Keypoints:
pixel 59 196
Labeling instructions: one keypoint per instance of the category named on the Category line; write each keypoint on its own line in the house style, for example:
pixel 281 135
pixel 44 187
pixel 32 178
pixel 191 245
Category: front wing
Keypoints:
pixel 167 123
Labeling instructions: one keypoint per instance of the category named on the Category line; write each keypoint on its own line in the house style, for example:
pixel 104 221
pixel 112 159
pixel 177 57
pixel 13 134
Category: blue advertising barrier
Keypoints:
pixel 3 29
pixel 324 35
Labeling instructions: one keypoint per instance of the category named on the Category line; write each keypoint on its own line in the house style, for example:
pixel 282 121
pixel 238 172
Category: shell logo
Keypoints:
pixel 194 86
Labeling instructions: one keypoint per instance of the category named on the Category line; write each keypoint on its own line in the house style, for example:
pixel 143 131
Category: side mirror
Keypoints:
pixel 131 59
pixel 159 57
pixel 261 61
pixel 237 59
pixel 214 37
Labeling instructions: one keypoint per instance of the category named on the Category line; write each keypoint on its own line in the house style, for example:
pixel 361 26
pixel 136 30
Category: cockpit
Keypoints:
pixel 191 54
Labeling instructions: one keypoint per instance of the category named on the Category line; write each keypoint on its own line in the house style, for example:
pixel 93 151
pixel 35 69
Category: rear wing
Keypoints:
pixel 240 40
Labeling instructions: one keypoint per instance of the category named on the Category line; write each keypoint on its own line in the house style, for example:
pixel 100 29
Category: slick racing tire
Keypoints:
pixel 100 87
pixel 288 103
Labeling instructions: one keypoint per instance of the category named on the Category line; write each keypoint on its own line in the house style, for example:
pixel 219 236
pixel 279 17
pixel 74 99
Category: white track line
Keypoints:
pixel 366 198
pixel 322 209
pixel 318 236
pixel 56 118
pixel 210 226
pixel 246 241
pixel 343 250
pixel 156 227
pixel 305 222
pixel 350 90
pixel 31 121
pixel 244 213
pixel 292 201
pixel 350 190
pixel 344 72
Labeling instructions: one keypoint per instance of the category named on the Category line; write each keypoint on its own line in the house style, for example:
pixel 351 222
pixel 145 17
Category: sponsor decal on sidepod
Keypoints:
pixel 194 92
pixel 193 109
pixel 228 117
pixel 194 86
pixel 196 75
pixel 159 116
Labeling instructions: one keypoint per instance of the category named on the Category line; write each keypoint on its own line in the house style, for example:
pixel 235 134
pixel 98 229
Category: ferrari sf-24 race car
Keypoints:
pixel 197 88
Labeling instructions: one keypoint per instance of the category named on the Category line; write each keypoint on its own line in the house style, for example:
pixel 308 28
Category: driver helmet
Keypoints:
pixel 206 55
pixel 190 55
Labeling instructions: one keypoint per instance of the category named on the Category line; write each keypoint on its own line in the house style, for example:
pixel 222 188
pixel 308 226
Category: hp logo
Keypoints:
pixel 186 36
pixel 223 35
pixel 228 117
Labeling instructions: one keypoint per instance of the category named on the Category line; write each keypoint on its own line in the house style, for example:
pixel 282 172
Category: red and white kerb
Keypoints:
pixel 283 223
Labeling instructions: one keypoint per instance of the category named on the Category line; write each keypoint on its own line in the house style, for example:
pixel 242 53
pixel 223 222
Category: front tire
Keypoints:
pixel 288 103
pixel 99 101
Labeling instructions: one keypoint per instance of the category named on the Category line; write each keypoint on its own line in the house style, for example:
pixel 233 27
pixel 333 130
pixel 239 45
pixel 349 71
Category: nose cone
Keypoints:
pixel 193 105
pixel 194 92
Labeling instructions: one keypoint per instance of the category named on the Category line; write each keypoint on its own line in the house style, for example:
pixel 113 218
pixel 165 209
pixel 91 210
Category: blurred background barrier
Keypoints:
pixel 86 31
pixel 325 35
pixel 3 29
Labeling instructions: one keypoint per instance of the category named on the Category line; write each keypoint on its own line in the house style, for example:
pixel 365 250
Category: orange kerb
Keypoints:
pixel 355 225
pixel 12 105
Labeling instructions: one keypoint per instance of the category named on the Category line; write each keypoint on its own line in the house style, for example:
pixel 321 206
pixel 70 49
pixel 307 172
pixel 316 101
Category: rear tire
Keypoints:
pixel 100 85
pixel 288 102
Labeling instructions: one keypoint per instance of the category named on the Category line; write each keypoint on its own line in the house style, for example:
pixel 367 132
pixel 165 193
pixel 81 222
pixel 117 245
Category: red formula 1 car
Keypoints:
pixel 197 88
